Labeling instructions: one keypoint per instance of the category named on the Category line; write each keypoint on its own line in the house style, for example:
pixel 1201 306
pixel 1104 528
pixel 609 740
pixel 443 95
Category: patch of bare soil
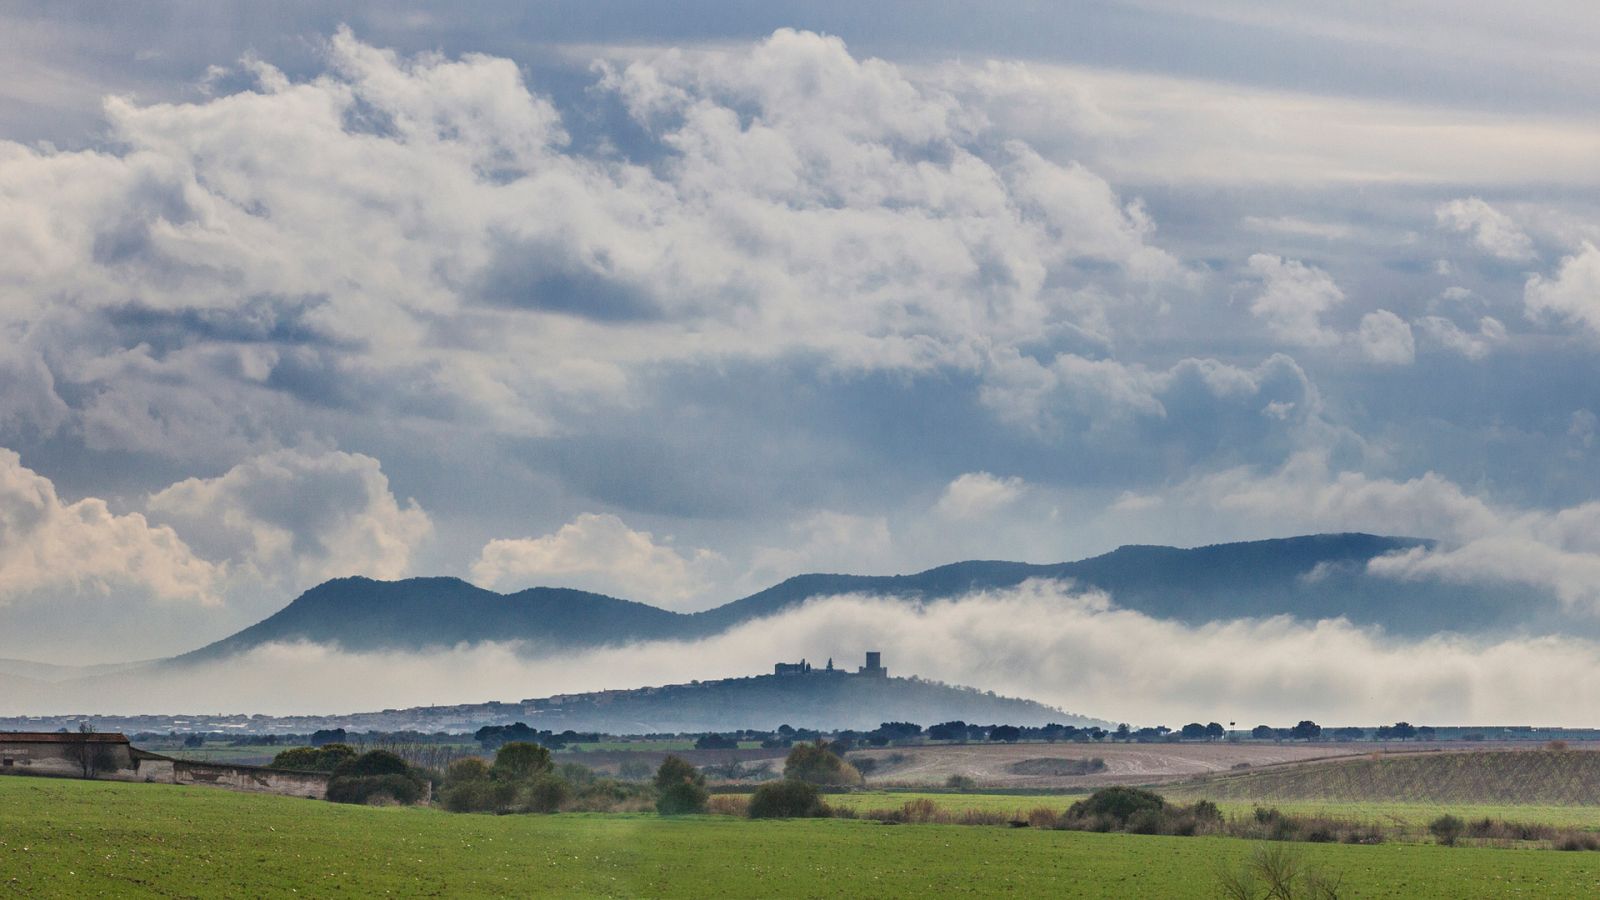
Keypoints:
pixel 991 764
pixel 1057 766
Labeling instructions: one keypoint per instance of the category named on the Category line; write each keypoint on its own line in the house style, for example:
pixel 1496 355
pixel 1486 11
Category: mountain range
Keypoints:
pixel 1309 577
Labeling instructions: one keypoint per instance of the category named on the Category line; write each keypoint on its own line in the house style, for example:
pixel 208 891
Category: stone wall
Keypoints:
pixel 251 778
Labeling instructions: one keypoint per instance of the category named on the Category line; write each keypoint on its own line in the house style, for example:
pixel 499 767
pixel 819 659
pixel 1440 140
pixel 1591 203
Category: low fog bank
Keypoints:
pixel 1042 641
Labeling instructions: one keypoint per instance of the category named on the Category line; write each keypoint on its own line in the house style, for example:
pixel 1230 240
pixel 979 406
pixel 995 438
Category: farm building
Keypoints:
pixel 111 757
pixel 65 753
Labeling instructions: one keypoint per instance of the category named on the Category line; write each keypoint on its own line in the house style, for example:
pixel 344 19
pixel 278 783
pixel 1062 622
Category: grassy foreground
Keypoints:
pixel 70 839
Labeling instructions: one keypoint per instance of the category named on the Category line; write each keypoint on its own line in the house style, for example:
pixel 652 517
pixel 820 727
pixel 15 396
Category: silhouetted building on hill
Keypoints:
pixel 873 669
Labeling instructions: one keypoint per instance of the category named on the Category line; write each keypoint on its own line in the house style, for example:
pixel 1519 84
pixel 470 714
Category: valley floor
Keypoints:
pixel 61 838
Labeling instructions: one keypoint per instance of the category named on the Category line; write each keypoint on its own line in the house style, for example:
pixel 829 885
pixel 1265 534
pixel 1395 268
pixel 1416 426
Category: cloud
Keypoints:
pixel 1042 640
pixel 1572 295
pixel 1293 298
pixel 299 517
pixel 1492 231
pixel 978 494
pixel 68 553
pixel 1450 336
pixel 1386 339
pixel 1554 550
pixel 599 552
pixel 828 541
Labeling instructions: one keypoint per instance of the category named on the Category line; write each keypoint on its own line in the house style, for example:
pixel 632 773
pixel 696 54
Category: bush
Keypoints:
pixel 545 793
pixel 960 782
pixel 1276 873
pixel 682 798
pixel 392 788
pixel 787 799
pixel 325 758
pixel 1119 804
pixel 373 762
pixel 519 761
pixel 480 795
pixel 817 764
pixel 675 770
pixel 470 768
pixel 1447 829
pixel 611 795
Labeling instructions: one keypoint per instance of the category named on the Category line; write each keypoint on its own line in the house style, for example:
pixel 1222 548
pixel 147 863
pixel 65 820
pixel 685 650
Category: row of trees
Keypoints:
pixel 1307 730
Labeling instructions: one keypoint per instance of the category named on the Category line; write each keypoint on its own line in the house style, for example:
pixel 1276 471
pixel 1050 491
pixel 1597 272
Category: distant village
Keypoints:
pixel 452 718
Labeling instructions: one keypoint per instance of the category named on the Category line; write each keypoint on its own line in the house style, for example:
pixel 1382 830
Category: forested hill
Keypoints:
pixel 1311 577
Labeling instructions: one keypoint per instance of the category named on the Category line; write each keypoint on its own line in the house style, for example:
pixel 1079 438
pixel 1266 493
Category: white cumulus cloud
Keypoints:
pixel 58 549
pixel 598 552
pixel 1492 231
pixel 298 517
pixel 978 494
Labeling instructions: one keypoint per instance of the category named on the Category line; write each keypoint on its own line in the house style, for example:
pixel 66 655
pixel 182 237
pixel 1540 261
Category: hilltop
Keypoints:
pixel 1310 577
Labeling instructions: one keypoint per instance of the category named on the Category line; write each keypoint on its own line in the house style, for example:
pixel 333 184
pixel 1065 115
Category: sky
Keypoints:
pixel 673 304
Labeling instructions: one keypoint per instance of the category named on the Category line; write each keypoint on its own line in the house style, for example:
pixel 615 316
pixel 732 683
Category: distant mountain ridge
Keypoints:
pixel 1309 577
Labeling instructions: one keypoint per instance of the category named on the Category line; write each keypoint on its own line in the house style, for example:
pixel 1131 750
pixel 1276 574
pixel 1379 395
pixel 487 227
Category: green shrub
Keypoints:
pixel 786 799
pixel 373 762
pixel 960 782
pixel 469 769
pixel 545 793
pixel 683 798
pixel 1447 829
pixel 817 764
pixel 373 788
pixel 520 760
pixel 1119 804
pixel 314 759
pixel 675 770
pixel 481 795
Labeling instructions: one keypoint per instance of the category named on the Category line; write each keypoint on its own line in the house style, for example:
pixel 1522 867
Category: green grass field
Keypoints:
pixel 61 838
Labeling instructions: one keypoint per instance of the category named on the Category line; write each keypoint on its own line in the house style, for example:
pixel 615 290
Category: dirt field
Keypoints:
pixel 989 764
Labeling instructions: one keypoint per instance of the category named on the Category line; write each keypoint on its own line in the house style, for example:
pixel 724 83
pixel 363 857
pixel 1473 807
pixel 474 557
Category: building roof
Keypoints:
pixel 62 737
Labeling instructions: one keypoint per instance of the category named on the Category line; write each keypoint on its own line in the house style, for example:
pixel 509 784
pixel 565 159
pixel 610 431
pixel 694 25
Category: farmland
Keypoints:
pixel 991 764
pixel 71 838
pixel 1522 777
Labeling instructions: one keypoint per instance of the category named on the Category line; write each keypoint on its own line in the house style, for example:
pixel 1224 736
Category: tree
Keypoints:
pixel 1193 731
pixel 948 731
pixel 1008 733
pixel 373 762
pixel 314 759
pixel 816 764
pixel 519 761
pixel 675 770
pixel 92 756
pixel 328 736
pixel 1305 730
pixel 1215 731
pixel 470 768
pixel 1263 732
pixel 1123 732
pixel 1405 731
pixel 681 788
pixel 710 741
